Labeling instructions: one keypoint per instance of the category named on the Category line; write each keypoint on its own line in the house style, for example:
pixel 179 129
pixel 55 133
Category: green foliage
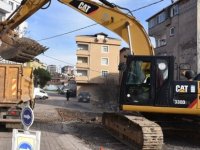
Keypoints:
pixel 41 77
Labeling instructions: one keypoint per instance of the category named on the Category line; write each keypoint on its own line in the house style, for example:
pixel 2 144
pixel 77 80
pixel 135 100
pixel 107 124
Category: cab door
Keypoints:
pixel 137 87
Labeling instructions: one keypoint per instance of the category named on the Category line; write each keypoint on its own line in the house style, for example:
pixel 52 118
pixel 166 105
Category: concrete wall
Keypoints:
pixel 187 34
pixel 183 44
pixel 198 36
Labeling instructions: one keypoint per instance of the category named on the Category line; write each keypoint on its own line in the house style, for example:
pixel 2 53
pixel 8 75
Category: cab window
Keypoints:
pixel 138 83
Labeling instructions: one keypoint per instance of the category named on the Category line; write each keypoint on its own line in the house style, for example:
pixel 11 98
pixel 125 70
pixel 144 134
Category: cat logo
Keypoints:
pixel 84 7
pixel 181 88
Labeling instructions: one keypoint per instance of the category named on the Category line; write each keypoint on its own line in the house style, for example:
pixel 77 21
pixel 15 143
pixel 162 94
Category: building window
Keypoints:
pixel 104 73
pixel 11 4
pixel 105 49
pixel 152 22
pixel 174 10
pixel 82 59
pixel 82 73
pixel 83 47
pixel 160 42
pixel 172 31
pixel 104 61
pixel 161 17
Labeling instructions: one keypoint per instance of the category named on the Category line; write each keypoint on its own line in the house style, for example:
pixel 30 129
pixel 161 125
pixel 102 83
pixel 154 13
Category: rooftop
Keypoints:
pixel 101 33
pixel 178 1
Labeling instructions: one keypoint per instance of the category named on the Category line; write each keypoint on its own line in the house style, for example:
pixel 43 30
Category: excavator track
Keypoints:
pixel 135 131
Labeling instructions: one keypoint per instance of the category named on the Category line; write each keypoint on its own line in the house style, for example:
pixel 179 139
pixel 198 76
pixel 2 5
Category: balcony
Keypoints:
pixel 5 7
pixel 82 52
pixel 82 65
pixel 82 79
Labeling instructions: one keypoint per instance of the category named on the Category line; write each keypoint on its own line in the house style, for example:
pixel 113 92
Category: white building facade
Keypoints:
pixel 6 8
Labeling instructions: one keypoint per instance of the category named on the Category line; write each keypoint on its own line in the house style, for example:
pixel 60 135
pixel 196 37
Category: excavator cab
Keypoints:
pixel 147 81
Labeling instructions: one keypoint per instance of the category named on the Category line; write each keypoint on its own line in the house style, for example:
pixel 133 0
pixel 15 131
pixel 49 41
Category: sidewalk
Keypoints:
pixel 50 140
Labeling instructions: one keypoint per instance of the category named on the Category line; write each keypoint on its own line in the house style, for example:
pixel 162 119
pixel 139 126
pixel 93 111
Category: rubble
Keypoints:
pixel 20 49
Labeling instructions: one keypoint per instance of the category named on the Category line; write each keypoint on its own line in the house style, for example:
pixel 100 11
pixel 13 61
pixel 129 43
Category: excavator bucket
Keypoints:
pixel 20 49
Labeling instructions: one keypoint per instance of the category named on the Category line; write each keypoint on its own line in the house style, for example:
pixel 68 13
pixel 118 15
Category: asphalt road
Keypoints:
pixel 60 101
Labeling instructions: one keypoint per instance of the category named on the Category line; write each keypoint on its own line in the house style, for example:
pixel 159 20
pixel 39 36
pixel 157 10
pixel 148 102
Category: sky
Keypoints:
pixel 60 18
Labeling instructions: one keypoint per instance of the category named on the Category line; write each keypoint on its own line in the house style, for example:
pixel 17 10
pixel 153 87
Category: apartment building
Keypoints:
pixel 97 60
pixel 52 69
pixel 68 70
pixel 176 31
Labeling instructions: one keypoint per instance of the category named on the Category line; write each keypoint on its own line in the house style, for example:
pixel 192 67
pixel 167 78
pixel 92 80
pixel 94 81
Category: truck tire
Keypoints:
pixel 32 104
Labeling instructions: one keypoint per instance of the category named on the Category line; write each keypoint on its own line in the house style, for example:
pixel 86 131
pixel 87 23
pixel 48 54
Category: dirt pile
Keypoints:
pixel 70 115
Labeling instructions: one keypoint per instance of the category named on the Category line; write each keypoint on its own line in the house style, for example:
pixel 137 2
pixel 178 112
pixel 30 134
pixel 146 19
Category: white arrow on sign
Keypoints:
pixel 27 117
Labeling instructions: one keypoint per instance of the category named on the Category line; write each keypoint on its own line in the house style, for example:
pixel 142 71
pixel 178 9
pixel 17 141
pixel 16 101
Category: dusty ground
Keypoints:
pixel 80 120
pixel 87 127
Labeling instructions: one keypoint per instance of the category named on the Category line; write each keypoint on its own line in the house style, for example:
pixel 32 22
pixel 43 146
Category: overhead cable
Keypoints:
pixel 58 35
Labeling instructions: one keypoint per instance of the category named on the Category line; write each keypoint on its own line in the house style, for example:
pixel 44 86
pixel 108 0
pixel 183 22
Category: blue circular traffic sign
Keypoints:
pixel 27 116
pixel 25 146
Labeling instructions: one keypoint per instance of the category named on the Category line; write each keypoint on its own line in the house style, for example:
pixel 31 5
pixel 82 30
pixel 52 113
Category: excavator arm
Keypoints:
pixel 20 49
pixel 24 11
pixel 105 13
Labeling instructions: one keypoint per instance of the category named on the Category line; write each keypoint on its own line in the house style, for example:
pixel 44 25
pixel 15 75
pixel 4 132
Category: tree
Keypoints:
pixel 41 77
pixel 109 90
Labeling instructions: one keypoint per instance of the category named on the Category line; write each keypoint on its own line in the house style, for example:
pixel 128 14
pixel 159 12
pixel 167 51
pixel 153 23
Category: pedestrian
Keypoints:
pixel 67 95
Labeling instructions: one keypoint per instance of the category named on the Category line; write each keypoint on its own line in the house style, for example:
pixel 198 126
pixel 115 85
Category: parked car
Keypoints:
pixel 40 94
pixel 84 97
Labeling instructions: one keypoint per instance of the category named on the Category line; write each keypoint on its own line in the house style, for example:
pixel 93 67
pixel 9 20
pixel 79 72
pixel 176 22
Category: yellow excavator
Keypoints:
pixel 150 99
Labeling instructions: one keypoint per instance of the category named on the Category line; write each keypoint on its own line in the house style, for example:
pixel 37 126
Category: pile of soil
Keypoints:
pixel 70 115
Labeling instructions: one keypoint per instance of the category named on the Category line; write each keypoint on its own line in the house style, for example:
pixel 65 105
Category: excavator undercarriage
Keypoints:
pixel 134 130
